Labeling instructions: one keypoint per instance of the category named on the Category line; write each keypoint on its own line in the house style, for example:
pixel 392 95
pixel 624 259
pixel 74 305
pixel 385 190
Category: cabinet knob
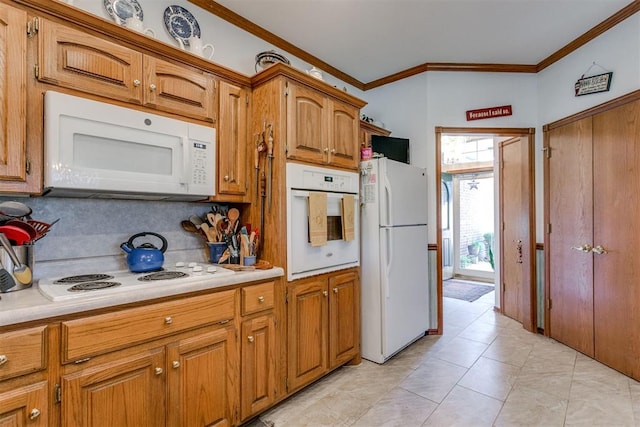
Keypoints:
pixel 250 338
pixel 333 151
pixel 325 293
pixel 35 413
pixel 152 87
pixel 175 364
pixel 168 320
pixel 3 359
pixel 335 290
pixel 226 178
pixel 136 82
pixel 326 150
pixel 261 299
pixel 158 371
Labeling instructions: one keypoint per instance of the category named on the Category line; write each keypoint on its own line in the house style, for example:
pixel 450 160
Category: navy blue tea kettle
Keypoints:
pixel 145 257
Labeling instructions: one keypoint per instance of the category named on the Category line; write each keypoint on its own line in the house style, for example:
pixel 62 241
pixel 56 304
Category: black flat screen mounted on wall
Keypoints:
pixel 391 147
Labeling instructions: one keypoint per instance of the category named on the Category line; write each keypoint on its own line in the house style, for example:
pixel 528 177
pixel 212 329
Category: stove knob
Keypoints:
pixel 211 269
pixel 192 264
pixel 197 268
pixel 179 264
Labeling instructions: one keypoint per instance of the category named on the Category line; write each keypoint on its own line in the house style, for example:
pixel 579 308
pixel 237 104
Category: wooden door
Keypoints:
pixel 307 331
pixel 258 343
pixel 518 243
pixel 344 318
pixel 616 219
pixel 307 125
pixel 124 392
pixel 570 215
pixel 203 379
pixel 25 406
pixel 74 59
pixel 178 89
pixel 232 139
pixel 343 150
pixel 13 105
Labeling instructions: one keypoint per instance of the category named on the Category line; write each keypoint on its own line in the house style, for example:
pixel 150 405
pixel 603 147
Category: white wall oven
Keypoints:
pixel 322 220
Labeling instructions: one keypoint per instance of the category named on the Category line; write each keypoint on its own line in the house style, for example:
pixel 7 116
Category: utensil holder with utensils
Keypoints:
pixel 8 280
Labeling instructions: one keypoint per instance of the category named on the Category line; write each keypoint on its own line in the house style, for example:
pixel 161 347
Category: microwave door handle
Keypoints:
pixel 186 160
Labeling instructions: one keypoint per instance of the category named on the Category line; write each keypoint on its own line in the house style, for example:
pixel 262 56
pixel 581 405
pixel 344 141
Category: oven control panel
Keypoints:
pixel 321 179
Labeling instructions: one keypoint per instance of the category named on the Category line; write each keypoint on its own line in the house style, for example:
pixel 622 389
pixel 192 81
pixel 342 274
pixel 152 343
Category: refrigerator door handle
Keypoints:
pixel 387 244
pixel 388 220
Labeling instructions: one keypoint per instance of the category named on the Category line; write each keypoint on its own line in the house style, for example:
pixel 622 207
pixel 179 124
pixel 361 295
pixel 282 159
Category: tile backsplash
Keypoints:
pixel 90 231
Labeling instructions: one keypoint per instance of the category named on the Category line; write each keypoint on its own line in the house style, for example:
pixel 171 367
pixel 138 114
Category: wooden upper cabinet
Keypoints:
pixel 73 59
pixel 344 149
pixel 307 124
pixel 13 96
pixel 367 130
pixel 232 139
pixel 176 89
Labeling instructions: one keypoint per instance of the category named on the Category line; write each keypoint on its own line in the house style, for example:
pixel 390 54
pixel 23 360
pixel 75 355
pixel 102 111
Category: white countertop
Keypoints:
pixel 29 304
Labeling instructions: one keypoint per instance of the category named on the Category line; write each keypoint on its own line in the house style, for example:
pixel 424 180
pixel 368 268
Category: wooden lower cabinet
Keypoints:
pixel 323 315
pixel 25 406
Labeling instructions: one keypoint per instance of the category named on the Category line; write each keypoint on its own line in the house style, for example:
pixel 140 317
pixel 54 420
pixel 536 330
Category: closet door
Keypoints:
pixel 616 210
pixel 570 260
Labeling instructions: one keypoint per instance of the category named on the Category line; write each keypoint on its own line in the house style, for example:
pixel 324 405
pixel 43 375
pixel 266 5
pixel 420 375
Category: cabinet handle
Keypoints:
pixel 326 150
pixel 250 338
pixel 599 250
pixel 168 320
pixel 35 413
pixel 333 151
pixel 226 178
pixel 158 371
pixel 584 248
pixel 136 82
pixel 175 364
pixel 152 87
pixel 325 293
pixel 3 359
pixel 335 290
pixel 260 299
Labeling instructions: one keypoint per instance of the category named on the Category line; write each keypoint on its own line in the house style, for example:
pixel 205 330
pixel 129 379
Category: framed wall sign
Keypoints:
pixel 593 84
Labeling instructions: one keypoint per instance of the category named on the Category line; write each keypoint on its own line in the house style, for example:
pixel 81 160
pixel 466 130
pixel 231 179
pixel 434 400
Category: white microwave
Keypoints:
pixel 96 149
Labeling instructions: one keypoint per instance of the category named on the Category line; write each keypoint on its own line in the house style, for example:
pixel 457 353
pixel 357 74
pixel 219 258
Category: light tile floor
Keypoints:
pixel 485 370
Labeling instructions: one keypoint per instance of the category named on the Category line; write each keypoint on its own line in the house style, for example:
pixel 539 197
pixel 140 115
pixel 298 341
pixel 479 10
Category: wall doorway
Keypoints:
pixel 468 218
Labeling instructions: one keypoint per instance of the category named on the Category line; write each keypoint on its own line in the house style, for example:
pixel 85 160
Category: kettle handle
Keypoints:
pixel 148 233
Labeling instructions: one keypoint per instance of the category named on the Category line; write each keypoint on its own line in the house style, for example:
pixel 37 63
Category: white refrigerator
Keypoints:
pixel 394 271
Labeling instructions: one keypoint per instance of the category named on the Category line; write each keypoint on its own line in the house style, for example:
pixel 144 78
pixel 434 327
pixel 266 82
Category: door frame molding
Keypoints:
pixel 530 313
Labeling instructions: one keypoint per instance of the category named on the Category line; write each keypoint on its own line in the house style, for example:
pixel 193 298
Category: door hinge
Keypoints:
pixel 503 225
pixel 27 167
pixel 36 71
pixel 57 393
pixel 214 118
pixel 32 27
pixel 549 303
pixel 286 149
pixel 547 152
pixel 247 99
pixel 286 89
pixel 549 228
pixel 286 297
pixel 286 384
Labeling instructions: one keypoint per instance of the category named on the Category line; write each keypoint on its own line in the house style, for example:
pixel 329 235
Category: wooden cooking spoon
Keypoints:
pixel 233 215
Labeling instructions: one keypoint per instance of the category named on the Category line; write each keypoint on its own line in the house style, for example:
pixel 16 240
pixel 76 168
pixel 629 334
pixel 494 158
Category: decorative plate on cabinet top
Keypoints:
pixel 181 24
pixel 120 10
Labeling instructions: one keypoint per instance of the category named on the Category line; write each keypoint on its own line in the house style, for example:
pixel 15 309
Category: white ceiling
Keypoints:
pixel 371 39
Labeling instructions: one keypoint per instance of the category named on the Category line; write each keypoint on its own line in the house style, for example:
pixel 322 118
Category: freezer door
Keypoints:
pixel 405 286
pixel 403 194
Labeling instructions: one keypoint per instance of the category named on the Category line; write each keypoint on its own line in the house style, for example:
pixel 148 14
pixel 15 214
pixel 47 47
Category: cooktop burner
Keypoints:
pixel 92 286
pixel 83 278
pixel 107 283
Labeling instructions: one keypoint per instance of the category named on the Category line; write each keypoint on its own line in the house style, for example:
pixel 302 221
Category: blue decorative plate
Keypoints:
pixel 181 24
pixel 120 10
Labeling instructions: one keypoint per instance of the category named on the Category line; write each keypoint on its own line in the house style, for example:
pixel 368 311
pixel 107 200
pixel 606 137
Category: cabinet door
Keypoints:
pixel 307 332
pixel 232 139
pixel 202 379
pixel 13 108
pixel 180 90
pixel 127 392
pixel 25 406
pixel 344 318
pixel 344 147
pixel 307 125
pixel 74 59
pixel 258 343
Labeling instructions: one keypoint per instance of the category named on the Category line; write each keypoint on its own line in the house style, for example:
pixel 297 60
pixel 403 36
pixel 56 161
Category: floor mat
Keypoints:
pixel 466 291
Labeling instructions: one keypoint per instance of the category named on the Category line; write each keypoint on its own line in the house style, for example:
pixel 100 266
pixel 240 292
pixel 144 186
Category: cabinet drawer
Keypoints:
pixel 22 352
pixel 257 298
pixel 98 334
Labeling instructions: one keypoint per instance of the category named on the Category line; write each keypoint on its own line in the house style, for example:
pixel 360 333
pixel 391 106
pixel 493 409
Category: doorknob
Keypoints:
pixel 599 250
pixel 584 248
